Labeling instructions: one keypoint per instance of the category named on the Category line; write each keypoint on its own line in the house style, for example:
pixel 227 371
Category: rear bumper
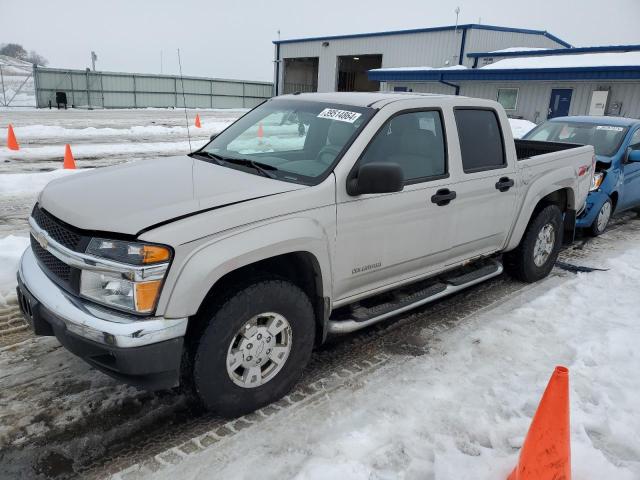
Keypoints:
pixel 141 352
pixel 595 200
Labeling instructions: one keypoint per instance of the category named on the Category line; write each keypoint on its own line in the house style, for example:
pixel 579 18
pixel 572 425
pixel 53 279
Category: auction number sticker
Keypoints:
pixel 609 128
pixel 341 115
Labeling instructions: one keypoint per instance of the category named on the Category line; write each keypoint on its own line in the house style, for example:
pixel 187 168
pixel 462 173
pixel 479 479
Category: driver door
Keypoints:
pixel 384 239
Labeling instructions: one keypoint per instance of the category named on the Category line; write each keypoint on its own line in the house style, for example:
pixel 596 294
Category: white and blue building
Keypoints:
pixel 535 84
pixel 342 62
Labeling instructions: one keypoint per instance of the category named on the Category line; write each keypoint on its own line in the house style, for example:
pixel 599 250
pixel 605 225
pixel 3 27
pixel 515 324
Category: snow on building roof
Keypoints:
pixel 418 69
pixel 518 49
pixel 615 59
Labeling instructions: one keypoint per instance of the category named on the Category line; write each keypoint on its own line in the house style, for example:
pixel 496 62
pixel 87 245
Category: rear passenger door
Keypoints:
pixel 485 186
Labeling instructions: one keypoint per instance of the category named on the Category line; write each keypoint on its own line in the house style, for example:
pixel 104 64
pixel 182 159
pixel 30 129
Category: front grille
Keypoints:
pixel 54 266
pixel 56 229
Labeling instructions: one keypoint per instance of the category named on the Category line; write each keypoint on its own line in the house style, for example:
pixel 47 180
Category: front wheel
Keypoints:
pixel 254 348
pixel 538 250
pixel 602 220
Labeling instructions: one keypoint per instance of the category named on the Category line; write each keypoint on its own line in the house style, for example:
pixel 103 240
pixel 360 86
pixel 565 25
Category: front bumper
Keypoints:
pixel 143 352
pixel 595 200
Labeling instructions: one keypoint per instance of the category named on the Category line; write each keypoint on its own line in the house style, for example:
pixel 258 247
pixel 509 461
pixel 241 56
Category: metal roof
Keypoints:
pixel 557 51
pixel 571 73
pixel 431 29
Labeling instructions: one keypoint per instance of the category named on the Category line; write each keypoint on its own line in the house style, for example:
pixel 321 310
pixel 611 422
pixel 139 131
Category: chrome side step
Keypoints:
pixel 453 285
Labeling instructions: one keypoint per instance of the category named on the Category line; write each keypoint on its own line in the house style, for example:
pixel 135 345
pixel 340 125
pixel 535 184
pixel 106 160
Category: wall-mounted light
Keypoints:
pixel 356 58
pixel 325 44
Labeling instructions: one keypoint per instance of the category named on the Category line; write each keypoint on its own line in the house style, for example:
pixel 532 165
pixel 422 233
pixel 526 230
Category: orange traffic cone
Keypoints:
pixel 546 453
pixel 69 162
pixel 260 133
pixel 198 124
pixel 12 143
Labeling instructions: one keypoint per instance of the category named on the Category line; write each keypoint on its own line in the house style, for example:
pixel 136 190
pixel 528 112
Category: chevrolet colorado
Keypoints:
pixel 313 214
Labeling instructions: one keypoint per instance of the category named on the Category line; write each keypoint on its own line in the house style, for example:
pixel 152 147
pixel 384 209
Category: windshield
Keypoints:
pixel 606 139
pixel 292 140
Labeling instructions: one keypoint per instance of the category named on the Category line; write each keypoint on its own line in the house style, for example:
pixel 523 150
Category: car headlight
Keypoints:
pixel 132 276
pixel 128 252
pixel 596 181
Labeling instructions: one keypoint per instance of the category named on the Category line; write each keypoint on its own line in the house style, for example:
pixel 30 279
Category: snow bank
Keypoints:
pixel 98 150
pixel 141 131
pixel 29 183
pixel 519 127
pixel 614 59
pixel 11 249
pixel 463 409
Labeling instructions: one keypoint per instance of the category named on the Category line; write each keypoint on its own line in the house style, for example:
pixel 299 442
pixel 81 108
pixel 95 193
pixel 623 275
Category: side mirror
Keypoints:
pixel 633 156
pixel 377 178
pixel 213 136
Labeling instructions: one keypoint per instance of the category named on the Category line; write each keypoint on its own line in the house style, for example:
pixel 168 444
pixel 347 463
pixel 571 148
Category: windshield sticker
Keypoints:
pixel 610 128
pixel 341 115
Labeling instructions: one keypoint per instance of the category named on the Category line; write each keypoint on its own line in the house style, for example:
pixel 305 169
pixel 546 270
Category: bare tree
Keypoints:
pixel 14 50
pixel 37 59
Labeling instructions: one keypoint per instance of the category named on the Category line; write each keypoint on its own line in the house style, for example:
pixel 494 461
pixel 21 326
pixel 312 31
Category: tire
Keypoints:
pixel 522 263
pixel 234 390
pixel 599 225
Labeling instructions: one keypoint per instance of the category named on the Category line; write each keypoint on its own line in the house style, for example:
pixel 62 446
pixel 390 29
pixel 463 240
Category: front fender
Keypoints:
pixel 211 259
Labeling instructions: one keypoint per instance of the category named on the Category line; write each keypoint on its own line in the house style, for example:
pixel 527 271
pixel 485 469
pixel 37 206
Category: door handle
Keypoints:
pixel 443 197
pixel 504 184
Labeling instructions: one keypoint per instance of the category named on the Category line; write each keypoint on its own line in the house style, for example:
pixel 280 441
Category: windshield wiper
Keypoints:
pixel 263 168
pixel 203 153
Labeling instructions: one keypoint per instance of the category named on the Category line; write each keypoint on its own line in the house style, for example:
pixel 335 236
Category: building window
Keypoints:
pixel 508 98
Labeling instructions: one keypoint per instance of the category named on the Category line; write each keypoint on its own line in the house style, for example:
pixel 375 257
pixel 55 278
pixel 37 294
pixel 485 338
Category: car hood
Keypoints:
pixel 132 197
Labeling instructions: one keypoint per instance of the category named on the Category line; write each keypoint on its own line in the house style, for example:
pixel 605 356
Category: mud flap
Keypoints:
pixel 569 227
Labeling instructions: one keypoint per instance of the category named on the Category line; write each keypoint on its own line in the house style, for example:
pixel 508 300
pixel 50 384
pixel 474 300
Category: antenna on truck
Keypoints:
pixel 184 102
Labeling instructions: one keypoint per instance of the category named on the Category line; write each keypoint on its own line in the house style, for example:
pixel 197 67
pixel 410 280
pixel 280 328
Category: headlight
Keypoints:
pixel 128 252
pixel 596 181
pixel 114 290
pixel 133 283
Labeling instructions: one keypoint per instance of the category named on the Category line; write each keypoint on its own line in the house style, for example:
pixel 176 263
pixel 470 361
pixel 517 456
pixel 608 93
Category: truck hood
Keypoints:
pixel 132 197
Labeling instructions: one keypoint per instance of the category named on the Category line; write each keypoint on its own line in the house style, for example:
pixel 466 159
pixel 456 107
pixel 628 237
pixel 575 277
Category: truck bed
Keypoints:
pixel 531 148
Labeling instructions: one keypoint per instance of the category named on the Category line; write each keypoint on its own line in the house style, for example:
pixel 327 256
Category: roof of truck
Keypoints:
pixel 358 99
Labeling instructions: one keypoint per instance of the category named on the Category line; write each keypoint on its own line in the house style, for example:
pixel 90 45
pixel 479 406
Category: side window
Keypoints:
pixel 481 141
pixel 415 141
pixel 634 143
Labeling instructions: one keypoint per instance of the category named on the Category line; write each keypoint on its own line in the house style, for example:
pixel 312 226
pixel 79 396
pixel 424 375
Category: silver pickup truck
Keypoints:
pixel 313 214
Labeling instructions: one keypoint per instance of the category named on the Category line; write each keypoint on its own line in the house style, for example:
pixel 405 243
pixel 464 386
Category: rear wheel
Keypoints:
pixel 254 348
pixel 602 220
pixel 538 250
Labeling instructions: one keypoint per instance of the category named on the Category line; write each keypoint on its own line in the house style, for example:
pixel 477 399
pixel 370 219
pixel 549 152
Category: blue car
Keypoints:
pixel 616 183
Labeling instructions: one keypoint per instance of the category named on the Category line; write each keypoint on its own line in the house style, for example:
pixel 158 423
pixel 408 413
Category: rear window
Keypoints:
pixel 606 139
pixel 481 143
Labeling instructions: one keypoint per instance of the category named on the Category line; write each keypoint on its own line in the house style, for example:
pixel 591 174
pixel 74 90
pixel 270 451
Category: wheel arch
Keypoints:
pixel 301 268
pixel 563 198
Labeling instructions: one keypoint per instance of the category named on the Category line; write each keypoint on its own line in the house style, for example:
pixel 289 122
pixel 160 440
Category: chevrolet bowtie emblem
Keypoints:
pixel 42 240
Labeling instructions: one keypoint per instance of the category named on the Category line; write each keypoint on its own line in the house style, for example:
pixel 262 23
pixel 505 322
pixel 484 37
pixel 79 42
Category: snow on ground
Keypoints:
pixel 19 89
pixel 520 126
pixel 463 409
pixel 143 131
pixel 29 183
pixel 11 249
